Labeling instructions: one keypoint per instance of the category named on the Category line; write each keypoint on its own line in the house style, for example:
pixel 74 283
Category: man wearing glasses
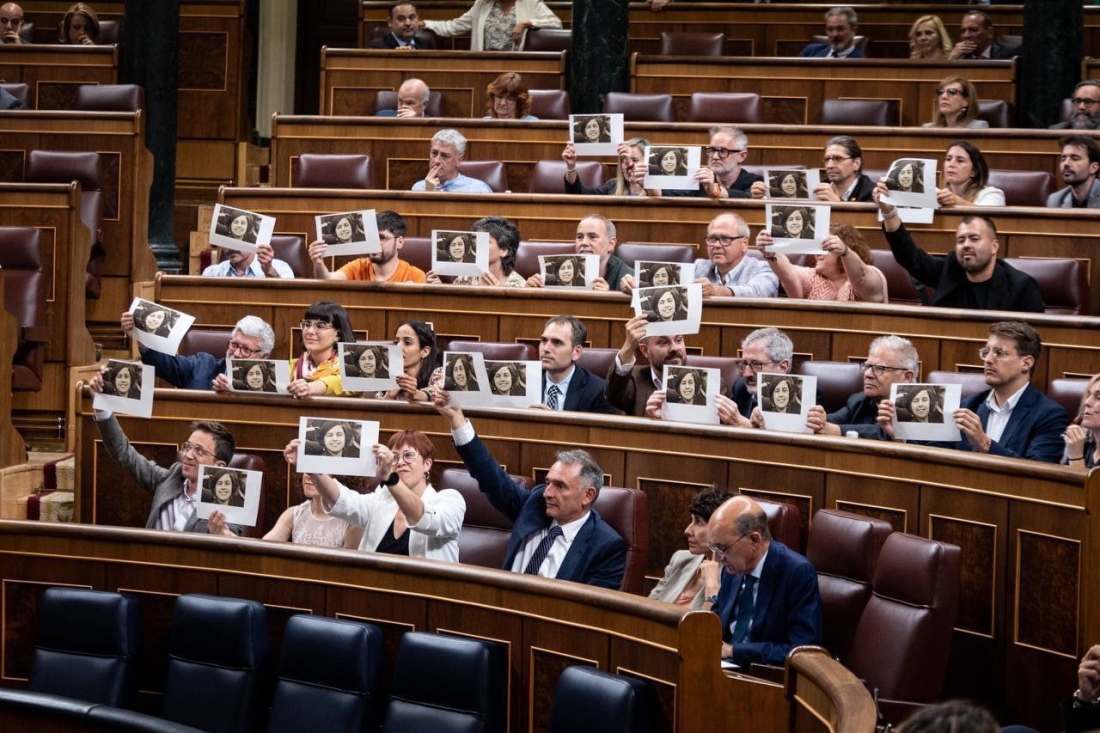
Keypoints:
pixel 1080 166
pixel 890 360
pixel 769 601
pixel 973 278
pixel 262 263
pixel 252 338
pixel 1086 108
pixel 721 175
pixel 11 22
pixel 384 266
pixel 727 271
pixel 764 350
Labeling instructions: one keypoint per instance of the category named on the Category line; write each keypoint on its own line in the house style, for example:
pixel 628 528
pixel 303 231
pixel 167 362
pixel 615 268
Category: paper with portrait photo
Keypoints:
pixel 550 264
pixel 159 327
pixel 940 402
pixel 672 310
pixel 142 377
pixel 469 264
pixel 686 161
pixel 676 406
pixel 363 226
pixel 677 273
pixel 474 390
pixel 506 390
pixel 812 231
pixel 804 181
pixel 349 455
pixel 258 376
pixel 802 398
pixel 258 230
pixel 387 364
pixel 240 511
pixel 594 135
pixel 919 174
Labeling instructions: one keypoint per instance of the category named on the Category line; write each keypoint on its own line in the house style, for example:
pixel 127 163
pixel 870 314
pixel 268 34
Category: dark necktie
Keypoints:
pixel 542 551
pixel 552 397
pixel 743 614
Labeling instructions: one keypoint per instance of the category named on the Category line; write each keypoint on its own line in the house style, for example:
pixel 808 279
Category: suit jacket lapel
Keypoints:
pixel 1019 414
pixel 577 384
pixel 767 589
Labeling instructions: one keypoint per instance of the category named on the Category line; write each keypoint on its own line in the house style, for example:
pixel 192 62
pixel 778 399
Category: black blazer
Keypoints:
pixel 860 415
pixel 388 41
pixel 586 392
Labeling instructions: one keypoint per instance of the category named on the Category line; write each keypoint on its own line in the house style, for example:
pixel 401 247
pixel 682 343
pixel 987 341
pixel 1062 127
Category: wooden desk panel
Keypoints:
pixel 54 72
pixel 12 449
pixel 1011 518
pixel 350 78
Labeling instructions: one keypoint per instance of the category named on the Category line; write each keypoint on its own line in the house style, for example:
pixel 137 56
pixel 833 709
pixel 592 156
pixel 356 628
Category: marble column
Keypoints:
pixel 1050 61
pixel 599 61
pixel 150 58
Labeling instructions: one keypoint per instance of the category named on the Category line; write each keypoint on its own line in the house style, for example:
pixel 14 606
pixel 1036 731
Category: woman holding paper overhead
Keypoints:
pixel 965 175
pixel 496 25
pixel 1082 444
pixel 404 515
pixel 843 271
pixel 628 179
pixel 317 371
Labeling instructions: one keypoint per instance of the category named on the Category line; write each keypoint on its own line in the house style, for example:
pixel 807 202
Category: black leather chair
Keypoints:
pixel 448 684
pixel 86 646
pixel 109 98
pixel 868 112
pixel 38 711
pixel 217 662
pixel 328 676
pixel 587 700
pixel 110 31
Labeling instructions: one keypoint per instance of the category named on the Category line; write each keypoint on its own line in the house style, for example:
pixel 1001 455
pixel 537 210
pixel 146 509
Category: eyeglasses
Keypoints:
pixel 996 352
pixel 11 21
pixel 506 100
pixel 720 153
pixel 720 551
pixel 880 369
pixel 754 365
pixel 951 92
pixel 408 455
pixel 315 325
pixel 197 449
pixel 1082 102
pixel 834 159
pixel 714 239
pixel 244 350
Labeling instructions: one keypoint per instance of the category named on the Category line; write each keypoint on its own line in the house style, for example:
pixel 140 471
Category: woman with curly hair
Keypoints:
pixel 507 98
pixel 843 271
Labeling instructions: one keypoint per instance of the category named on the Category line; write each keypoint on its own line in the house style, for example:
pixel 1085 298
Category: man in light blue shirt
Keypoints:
pixel 261 263
pixel 728 271
pixel 448 147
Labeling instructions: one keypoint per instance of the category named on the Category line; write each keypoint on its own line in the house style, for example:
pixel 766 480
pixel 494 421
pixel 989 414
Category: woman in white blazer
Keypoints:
pixel 692 577
pixel 496 25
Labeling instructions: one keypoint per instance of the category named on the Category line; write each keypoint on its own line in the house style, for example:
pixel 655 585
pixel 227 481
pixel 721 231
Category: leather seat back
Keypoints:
pixel 549 104
pixel 316 170
pixel 588 700
pixel 483 540
pixel 490 171
pixel 836 381
pixel 109 98
pixel 25 289
pixel 640 107
pixel 548 176
pixel 1063 281
pixel 626 510
pixel 727 108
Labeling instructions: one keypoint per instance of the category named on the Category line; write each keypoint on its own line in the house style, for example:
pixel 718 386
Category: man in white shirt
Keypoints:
pixel 261 263
pixel 567 385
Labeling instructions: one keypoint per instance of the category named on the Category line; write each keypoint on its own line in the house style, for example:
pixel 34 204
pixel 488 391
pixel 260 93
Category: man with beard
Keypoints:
pixel 973 278
pixel 840 29
pixel 384 266
pixel 1086 108
pixel 1080 163
pixel 721 175
pixel 629 386
pixel 844 177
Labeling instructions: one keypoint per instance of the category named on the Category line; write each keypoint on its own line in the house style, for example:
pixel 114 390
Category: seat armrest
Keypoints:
pixel 35 334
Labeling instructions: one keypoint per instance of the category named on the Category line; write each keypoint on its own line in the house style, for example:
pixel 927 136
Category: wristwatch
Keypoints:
pixel 1078 702
pixel 712 600
pixel 392 479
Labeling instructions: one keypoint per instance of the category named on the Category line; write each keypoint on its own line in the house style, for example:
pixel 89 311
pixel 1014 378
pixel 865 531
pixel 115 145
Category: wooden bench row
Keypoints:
pixel 1027 530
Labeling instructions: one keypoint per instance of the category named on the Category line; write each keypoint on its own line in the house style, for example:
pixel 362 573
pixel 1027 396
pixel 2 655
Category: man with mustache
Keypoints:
pixel 1080 164
pixel 1086 107
pixel 973 278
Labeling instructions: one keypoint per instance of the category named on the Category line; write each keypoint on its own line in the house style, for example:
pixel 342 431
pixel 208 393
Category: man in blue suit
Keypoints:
pixel 840 27
pixel 566 385
pixel 555 531
pixel 768 602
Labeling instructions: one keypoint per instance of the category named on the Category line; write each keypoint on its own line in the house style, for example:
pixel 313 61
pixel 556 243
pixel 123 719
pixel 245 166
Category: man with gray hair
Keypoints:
pixel 764 350
pixel 596 235
pixel 1085 114
pixel 252 338
pixel 890 360
pixel 412 100
pixel 840 27
pixel 721 175
pixel 448 147
pixel 555 531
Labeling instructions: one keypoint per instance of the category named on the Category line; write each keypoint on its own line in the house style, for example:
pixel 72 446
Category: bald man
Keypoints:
pixel 412 100
pixel 11 22
pixel 769 601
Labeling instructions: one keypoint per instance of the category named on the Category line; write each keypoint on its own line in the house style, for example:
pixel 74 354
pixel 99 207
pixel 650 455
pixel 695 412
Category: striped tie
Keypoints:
pixel 542 551
pixel 552 397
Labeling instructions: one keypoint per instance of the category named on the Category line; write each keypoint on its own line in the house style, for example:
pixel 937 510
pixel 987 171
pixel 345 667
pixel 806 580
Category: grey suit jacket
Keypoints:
pixel 680 572
pixel 165 484
pixel 1064 199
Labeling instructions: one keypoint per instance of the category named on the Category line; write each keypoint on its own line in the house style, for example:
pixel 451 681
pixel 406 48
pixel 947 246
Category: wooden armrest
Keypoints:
pixel 36 334
pixel 768 672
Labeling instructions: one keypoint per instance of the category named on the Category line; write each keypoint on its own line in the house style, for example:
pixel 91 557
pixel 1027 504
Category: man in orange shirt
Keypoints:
pixel 384 266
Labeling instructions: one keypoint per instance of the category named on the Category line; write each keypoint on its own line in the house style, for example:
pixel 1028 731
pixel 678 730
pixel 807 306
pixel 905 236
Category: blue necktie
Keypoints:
pixel 552 396
pixel 542 551
pixel 743 613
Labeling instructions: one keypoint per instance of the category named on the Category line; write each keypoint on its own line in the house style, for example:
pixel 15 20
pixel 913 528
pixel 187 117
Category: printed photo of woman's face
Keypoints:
pixel 795 224
pixel 687 387
pixel 334 440
pixel 592 130
pixel 154 320
pixel 123 380
pixel 921 405
pixel 254 377
pixel 223 488
pixel 566 272
pixel 781 396
pixel 502 380
pixel 457 248
pixel 343 229
pixel 368 362
pixel 238 225
pixel 660 276
pixel 666 306
pixel 789 185
pixel 459 374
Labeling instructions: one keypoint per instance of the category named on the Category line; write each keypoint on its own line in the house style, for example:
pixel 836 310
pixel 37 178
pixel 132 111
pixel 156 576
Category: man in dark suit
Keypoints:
pixel 567 385
pixel 629 385
pixel 403 26
pixel 977 40
pixel 1086 108
pixel 555 531
pixel 768 602
pixel 840 27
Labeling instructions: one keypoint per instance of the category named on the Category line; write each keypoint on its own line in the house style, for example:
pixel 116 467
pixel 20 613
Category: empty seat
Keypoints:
pixel 587 700
pixel 387 100
pixel 483 540
pixel 1068 393
pixel 971 382
pixel 691 44
pixel 23 267
pixel 417 251
pixel 1064 282
pixel 547 39
pixel 899 283
pixel 631 252
pixel 109 98
pixel 784 522
pixel 470 697
pixel 333 171
pixel 902 643
pixel 528 253
pixel 86 646
pixel 217 660
pixel 292 250
pixel 640 107
pixel 110 32
pixel 490 171
pixel 627 513
pixel 844 548
pixel 328 676
pixel 860 112
pixel 550 104
pixel 836 381
pixel 22 92
pixel 598 360
pixel 997 112
pixel 205 341
pixel 548 176
pixel 1023 188
pixel 731 108
pixel 495 350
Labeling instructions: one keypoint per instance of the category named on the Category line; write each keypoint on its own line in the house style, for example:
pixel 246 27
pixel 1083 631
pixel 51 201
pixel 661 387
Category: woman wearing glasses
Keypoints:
pixel 404 515
pixel 843 271
pixel 957 105
pixel 317 371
